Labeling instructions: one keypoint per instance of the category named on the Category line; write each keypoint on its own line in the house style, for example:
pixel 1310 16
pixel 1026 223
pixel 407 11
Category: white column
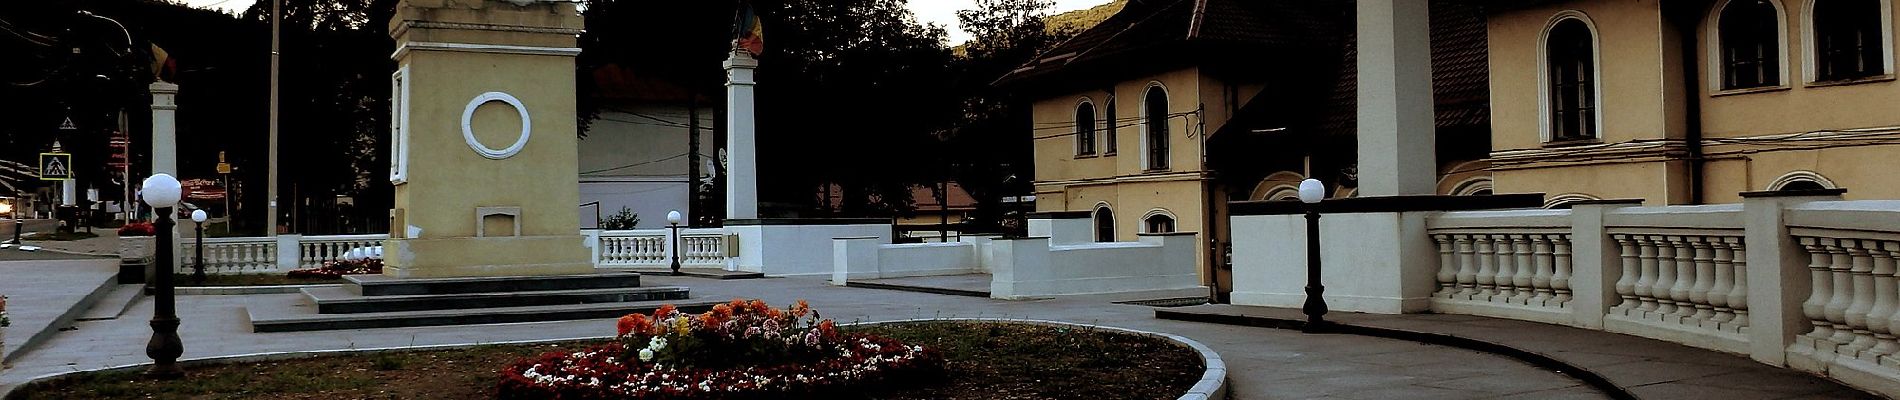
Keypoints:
pixel 1396 150
pixel 742 176
pixel 164 128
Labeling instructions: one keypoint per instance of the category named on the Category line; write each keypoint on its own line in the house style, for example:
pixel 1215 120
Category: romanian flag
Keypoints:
pixel 163 66
pixel 749 33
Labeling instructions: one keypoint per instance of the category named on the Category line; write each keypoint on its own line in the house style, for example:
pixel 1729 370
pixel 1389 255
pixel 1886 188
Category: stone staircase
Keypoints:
pixel 375 301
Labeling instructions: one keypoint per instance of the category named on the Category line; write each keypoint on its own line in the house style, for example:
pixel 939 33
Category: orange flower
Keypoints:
pixel 737 304
pixel 633 323
pixel 722 310
pixel 708 319
pixel 774 313
pixel 757 305
pixel 664 311
pixel 799 309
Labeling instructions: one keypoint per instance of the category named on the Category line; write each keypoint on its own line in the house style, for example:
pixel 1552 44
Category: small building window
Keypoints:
pixel 1104 225
pixel 1847 40
pixel 1155 119
pixel 1159 223
pixel 1750 44
pixel 1571 63
pixel 1085 129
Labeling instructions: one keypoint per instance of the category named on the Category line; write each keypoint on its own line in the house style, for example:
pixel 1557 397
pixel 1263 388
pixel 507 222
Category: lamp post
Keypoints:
pixel 1311 192
pixel 198 260
pixel 162 192
pixel 673 221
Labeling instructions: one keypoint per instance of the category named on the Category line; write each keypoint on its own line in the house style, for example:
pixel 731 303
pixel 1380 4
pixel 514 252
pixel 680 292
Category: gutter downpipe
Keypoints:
pixel 1687 27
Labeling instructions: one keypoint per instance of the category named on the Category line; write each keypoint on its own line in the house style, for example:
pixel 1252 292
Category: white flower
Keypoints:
pixel 657 343
pixel 646 354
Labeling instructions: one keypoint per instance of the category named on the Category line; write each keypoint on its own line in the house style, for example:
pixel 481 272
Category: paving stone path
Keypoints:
pixel 1265 363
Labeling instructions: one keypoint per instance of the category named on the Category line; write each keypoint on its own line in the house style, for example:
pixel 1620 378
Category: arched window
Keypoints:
pixel 1112 124
pixel 1570 62
pixel 1159 223
pixel 1848 42
pixel 1155 120
pixel 1104 225
pixel 1801 180
pixel 1085 129
pixel 1750 35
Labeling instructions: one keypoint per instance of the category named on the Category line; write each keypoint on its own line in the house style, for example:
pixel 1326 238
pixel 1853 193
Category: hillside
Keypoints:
pixel 1080 20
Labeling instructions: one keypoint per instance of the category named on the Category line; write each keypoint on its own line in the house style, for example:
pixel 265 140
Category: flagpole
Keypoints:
pixel 270 221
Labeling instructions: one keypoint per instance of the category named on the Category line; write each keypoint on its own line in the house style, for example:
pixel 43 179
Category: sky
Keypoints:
pixel 940 12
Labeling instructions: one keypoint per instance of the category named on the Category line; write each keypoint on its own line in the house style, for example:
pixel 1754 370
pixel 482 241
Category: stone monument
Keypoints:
pixel 484 157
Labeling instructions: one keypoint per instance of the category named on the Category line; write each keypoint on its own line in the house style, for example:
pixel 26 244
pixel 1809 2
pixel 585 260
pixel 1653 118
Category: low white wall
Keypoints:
pixel 797 250
pixel 1063 230
pixel 1161 264
pixel 858 258
pixel 1368 263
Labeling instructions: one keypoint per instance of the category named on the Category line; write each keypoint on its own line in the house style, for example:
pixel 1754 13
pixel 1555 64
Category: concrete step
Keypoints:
pixel 708 273
pixel 302 317
pixel 114 303
pixel 339 300
pixel 379 285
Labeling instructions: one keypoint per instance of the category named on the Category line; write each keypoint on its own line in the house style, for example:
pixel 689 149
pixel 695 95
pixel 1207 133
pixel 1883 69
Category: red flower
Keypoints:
pixel 634 323
pixel 664 311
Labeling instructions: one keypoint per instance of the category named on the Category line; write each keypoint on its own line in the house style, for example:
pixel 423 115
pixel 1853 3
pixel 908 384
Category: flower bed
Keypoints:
pixel 337 269
pixel 739 350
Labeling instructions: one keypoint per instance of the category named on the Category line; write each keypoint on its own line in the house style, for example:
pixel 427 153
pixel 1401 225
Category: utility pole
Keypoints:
pixel 692 157
pixel 270 221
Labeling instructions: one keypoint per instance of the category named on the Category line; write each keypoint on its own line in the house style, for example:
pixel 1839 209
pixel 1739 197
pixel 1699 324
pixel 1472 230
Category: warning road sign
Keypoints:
pixel 56 166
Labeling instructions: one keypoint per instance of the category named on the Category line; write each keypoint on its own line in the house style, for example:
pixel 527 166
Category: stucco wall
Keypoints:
pixel 1800 106
pixel 1369 262
pixel 1631 50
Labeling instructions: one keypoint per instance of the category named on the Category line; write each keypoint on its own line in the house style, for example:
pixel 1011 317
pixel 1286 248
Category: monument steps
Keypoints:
pixel 380 285
pixel 377 301
pixel 341 300
pixel 302 319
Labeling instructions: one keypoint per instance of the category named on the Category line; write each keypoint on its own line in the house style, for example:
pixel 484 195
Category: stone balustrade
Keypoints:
pixel 264 255
pixel 1511 264
pixel 700 248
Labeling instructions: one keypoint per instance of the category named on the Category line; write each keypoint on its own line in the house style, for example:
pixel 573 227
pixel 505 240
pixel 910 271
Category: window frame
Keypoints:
pixel 1547 111
pixel 1147 221
pixel 1810 53
pixel 1110 126
pixel 1716 64
pixel 1085 141
pixel 1148 149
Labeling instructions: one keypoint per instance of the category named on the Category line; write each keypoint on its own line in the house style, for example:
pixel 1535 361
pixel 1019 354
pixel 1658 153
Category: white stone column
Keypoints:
pixel 1396 149
pixel 742 176
pixel 164 128
pixel 1775 288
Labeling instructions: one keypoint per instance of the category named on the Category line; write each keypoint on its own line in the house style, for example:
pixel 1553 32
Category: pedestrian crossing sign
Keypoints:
pixel 56 166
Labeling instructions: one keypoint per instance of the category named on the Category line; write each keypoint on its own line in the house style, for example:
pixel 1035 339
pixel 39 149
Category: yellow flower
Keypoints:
pixel 680 325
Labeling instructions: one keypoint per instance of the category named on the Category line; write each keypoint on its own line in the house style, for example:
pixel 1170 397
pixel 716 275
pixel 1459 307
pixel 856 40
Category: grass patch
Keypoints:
pixel 985 361
pixel 185 279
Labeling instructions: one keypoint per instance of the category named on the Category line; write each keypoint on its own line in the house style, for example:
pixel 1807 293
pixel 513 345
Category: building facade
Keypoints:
pixel 638 152
pixel 1693 102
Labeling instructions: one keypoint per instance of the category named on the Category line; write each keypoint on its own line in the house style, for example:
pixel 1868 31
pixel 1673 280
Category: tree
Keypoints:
pixel 992 144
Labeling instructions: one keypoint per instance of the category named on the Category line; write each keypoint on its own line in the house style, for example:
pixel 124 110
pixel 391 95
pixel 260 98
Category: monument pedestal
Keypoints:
pixel 487 256
pixel 485 160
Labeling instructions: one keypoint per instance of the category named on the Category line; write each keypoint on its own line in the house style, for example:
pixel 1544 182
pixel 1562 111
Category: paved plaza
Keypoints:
pixel 1264 363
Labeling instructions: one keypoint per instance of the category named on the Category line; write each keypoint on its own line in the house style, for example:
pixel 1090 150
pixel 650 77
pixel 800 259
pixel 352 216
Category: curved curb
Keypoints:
pixel 1213 382
pixel 1588 377
pixel 1212 385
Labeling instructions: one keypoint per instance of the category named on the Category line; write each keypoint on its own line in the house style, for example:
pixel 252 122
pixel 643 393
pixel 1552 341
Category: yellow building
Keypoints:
pixel 1692 102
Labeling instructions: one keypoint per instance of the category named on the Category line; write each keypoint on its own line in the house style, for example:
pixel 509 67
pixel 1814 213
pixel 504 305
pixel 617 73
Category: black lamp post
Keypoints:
pixel 673 222
pixel 198 260
pixel 162 192
pixel 1311 192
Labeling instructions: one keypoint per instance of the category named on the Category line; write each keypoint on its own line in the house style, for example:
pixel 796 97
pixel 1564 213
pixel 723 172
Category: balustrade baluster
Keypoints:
pixel 1447 266
pixel 1560 261
pixel 1487 271
pixel 1541 280
pixel 1839 267
pixel 1467 268
pixel 1738 295
pixel 1880 317
pixel 1861 274
pixel 1723 260
pixel 1685 278
pixel 1626 283
pixel 1506 268
pixel 1820 290
pixel 1704 280
pixel 1665 274
pixel 1525 275
pixel 1646 283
